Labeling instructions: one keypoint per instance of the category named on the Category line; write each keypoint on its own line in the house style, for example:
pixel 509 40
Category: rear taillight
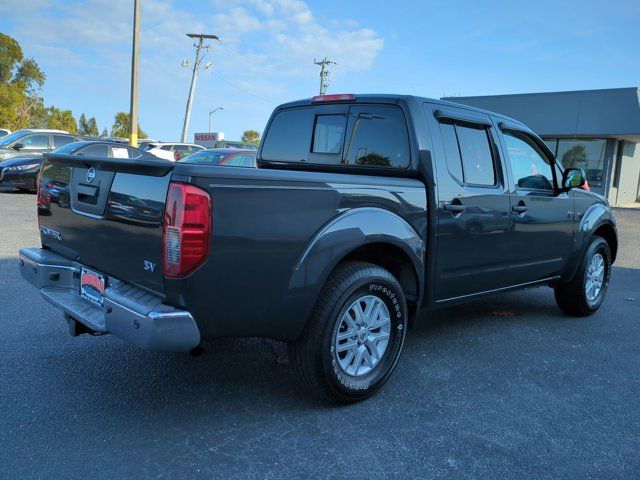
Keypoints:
pixel 186 230
pixel 43 198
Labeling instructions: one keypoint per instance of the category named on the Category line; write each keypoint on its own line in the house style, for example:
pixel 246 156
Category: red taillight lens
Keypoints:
pixel 43 198
pixel 186 230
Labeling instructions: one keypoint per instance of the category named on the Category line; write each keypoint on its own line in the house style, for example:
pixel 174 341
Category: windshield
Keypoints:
pixel 5 141
pixel 204 157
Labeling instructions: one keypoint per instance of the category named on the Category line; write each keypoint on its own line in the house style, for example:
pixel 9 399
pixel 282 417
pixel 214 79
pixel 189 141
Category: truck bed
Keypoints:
pixel 263 228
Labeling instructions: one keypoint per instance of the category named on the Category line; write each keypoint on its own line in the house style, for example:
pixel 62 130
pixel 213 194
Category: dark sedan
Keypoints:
pixel 21 172
pixel 233 157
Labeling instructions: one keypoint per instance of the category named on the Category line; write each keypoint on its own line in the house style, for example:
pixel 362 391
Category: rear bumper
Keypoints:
pixel 130 313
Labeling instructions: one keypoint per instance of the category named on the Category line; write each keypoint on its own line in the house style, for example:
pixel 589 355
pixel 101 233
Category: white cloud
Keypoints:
pixel 266 50
pixel 281 37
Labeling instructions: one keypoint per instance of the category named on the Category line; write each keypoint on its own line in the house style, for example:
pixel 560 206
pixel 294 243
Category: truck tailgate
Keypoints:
pixel 106 214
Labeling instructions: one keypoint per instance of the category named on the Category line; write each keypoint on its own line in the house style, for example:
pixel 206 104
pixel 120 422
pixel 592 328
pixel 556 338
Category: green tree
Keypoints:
pixel 120 128
pixel 82 124
pixel 251 136
pixel 92 127
pixel 87 127
pixel 105 133
pixel 61 120
pixel 20 81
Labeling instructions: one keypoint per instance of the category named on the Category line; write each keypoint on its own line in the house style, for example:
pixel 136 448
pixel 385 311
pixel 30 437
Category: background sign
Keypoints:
pixel 208 140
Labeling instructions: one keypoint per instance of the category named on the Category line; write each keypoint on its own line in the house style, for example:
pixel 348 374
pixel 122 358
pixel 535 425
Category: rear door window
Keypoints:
pixel 475 150
pixel 59 140
pixel 378 137
pixel 119 152
pixel 95 151
pixel 468 152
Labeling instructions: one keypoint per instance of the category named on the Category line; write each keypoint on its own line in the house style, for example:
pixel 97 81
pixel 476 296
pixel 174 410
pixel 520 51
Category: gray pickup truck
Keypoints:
pixel 365 213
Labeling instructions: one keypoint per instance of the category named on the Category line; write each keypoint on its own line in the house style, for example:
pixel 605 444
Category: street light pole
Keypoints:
pixel 194 77
pixel 133 108
pixel 211 113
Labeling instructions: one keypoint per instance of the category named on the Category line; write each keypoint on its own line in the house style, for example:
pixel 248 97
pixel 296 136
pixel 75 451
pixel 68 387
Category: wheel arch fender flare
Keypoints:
pixel 344 234
pixel 597 217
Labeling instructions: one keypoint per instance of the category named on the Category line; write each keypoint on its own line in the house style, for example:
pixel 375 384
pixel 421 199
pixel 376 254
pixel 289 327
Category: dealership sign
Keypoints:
pixel 208 140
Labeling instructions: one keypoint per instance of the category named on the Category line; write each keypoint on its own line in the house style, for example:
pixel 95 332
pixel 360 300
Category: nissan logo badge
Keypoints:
pixel 91 174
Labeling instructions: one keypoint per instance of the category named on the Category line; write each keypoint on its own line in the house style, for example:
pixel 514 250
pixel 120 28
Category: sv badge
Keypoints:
pixel 149 266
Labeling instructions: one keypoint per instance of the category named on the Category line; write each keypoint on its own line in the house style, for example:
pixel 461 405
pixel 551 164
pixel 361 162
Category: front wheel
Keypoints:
pixel 355 335
pixel 584 294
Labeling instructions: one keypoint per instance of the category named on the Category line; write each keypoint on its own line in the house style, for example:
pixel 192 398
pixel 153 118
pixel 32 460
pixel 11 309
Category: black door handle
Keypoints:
pixel 454 207
pixel 520 208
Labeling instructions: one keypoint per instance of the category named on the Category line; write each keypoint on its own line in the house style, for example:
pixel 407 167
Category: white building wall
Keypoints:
pixel 629 180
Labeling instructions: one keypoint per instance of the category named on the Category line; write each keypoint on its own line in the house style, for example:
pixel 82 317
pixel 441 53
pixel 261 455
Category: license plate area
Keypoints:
pixel 92 286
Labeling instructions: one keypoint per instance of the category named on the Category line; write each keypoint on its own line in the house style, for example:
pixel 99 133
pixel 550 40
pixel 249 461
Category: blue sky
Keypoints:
pixel 268 46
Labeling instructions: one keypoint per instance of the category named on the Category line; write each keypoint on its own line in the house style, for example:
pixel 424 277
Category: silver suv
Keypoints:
pixel 33 141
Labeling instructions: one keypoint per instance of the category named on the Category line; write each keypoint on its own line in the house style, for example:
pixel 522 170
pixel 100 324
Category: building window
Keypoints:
pixel 552 143
pixel 585 154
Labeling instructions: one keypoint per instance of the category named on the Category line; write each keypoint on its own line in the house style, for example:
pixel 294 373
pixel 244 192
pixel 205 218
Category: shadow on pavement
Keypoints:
pixel 112 376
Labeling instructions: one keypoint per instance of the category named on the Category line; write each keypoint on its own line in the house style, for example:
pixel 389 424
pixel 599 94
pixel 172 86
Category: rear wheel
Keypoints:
pixel 355 335
pixel 584 294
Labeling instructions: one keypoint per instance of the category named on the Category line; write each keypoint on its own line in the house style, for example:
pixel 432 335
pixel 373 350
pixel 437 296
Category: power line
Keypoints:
pixel 324 65
pixel 242 89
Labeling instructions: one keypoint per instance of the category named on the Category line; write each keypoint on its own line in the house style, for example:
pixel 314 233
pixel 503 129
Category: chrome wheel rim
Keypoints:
pixel 362 336
pixel 595 277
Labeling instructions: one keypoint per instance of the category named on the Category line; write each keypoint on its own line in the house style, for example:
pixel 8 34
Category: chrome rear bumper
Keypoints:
pixel 130 313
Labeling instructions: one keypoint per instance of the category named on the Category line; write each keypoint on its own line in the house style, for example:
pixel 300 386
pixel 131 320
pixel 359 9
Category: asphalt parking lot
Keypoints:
pixel 505 387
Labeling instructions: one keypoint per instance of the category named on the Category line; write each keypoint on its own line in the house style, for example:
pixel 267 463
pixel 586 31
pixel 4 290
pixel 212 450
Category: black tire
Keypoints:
pixel 572 297
pixel 314 355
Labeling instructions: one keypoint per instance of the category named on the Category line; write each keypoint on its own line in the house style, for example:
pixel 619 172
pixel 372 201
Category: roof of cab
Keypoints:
pixel 393 98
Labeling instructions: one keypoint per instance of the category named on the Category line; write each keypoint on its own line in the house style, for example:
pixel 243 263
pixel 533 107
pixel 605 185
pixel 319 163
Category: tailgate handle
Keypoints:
pixel 88 194
pixel 87 191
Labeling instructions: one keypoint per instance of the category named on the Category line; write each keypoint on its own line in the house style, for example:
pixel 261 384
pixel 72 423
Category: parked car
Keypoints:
pixel 144 144
pixel 365 212
pixel 4 132
pixel 172 151
pixel 232 157
pixel 33 141
pixel 22 171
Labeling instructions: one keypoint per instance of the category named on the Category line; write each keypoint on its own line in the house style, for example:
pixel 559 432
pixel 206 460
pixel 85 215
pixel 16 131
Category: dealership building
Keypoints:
pixel 596 130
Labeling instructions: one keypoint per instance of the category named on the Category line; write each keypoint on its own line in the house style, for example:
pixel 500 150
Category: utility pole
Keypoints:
pixel 199 45
pixel 324 65
pixel 133 107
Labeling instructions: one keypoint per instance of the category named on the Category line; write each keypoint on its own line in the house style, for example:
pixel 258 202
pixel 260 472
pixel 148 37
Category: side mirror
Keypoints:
pixel 18 146
pixel 573 178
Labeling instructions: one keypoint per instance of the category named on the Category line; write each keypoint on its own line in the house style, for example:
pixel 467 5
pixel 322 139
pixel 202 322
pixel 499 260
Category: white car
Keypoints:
pixel 172 151
pixel 4 132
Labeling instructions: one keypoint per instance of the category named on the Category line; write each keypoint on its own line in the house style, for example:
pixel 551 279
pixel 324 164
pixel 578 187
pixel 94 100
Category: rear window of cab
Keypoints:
pixel 357 135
